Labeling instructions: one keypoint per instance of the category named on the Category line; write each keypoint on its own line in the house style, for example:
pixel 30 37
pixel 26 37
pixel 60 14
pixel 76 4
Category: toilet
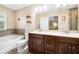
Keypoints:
pixel 22 46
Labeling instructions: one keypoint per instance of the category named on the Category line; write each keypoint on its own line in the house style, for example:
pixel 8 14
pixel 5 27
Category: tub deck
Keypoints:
pixel 8 42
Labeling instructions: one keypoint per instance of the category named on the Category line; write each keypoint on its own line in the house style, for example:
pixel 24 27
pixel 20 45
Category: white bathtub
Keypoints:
pixel 8 42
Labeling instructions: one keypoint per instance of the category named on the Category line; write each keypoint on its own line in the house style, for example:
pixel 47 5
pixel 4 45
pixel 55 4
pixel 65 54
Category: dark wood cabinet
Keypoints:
pixel 40 45
pixel 63 48
pixel 75 49
pixel 36 43
pixel 47 44
pixel 32 45
pixel 65 45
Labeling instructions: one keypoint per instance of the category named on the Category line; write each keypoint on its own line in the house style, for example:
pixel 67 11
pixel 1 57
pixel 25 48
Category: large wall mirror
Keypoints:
pixel 63 18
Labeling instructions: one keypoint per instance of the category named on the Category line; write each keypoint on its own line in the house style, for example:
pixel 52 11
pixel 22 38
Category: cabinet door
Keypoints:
pixel 32 45
pixel 75 49
pixel 49 44
pixel 39 45
pixel 63 48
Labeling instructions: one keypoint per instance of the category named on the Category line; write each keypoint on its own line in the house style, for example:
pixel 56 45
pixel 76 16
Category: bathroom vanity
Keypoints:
pixel 53 43
pixel 45 41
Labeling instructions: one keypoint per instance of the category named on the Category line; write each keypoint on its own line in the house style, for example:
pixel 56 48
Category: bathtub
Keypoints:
pixel 8 42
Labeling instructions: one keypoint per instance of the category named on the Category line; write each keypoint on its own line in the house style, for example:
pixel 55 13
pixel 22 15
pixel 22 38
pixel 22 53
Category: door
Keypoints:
pixel 75 49
pixel 49 44
pixel 40 45
pixel 63 48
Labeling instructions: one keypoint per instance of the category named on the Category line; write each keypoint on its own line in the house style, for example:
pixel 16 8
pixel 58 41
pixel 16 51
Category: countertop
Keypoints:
pixel 64 34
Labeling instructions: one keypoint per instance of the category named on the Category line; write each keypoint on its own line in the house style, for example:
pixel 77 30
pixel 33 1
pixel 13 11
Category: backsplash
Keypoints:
pixel 20 31
pixel 7 32
pixel 12 31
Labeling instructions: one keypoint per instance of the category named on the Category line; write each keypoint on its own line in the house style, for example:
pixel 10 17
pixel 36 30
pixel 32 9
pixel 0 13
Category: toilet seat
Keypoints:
pixel 22 45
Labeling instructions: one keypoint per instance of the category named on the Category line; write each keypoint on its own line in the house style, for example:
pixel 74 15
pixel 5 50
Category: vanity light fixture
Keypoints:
pixel 58 5
pixel 36 10
pixel 45 7
pixel 40 8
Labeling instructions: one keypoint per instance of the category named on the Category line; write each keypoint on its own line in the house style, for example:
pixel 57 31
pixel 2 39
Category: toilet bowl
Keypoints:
pixel 22 45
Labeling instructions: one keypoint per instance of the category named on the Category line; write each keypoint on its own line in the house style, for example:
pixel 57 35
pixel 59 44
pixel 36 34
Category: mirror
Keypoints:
pixel 63 18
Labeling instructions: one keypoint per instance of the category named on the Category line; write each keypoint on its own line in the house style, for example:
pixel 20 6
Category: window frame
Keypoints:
pixel 5 21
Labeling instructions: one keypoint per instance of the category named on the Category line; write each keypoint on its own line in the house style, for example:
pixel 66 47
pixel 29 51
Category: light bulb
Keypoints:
pixel 45 8
pixel 40 9
pixel 36 9
pixel 58 5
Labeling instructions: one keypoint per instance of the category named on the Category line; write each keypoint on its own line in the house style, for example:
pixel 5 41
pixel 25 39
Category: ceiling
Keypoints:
pixel 15 7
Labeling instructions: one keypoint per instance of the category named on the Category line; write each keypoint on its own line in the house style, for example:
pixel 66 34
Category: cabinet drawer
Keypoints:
pixel 36 36
pixel 67 40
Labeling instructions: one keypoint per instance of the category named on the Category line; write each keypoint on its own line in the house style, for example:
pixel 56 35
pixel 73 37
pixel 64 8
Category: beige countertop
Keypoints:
pixel 64 34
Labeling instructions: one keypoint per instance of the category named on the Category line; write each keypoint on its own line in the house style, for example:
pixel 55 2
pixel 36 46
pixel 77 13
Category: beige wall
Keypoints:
pixel 22 15
pixel 10 15
pixel 22 23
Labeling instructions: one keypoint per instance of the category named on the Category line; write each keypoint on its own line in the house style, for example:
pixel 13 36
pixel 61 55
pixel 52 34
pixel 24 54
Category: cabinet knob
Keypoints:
pixel 70 47
pixel 73 47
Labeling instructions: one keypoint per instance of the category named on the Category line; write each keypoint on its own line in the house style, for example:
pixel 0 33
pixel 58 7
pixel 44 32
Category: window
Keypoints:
pixel 2 22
